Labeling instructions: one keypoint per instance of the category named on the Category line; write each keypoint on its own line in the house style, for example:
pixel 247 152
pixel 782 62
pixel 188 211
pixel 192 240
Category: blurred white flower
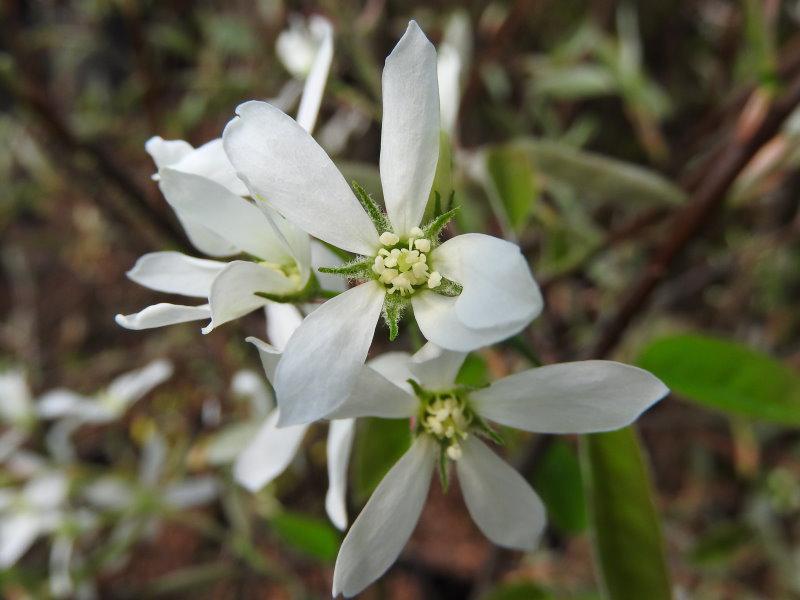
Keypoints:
pixel 455 57
pixel 211 202
pixel 471 291
pixel 27 513
pixel 449 420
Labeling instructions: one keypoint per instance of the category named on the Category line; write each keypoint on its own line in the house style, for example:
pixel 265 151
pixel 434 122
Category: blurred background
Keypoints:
pixel 643 154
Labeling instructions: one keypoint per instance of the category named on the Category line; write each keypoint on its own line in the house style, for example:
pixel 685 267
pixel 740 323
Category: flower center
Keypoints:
pixel 289 270
pixel 446 417
pixel 405 267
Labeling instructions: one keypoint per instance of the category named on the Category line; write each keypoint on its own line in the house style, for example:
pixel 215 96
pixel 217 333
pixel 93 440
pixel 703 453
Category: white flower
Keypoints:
pixel 578 397
pixel 455 55
pixel 270 451
pixel 108 404
pixel 25 514
pixel 210 201
pixel 282 164
pixel 72 410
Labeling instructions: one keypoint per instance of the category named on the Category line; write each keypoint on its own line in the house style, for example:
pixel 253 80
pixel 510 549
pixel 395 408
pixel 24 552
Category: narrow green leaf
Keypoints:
pixel 558 482
pixel 393 307
pixel 513 181
pixel 357 268
pixel 376 215
pixel 448 287
pixel 726 376
pixel 311 536
pixel 434 228
pixel 599 176
pixel 626 531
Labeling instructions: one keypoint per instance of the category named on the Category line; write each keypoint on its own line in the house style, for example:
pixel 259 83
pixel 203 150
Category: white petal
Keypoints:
pixel 410 131
pixel 436 368
pixel 449 76
pixel 60 403
pixel 132 386
pixel 394 366
pixel 321 256
pixel 315 82
pixel 333 342
pixel 268 453
pixel 294 239
pixel 16 405
pixel 195 491
pixel 502 504
pixel 340 442
pixel 233 293
pixel 163 314
pixel 211 162
pixel 205 240
pixel 46 491
pixel 382 529
pixel 175 273
pixel 166 152
pixel 577 397
pixel 283 319
pixel 437 319
pixel 282 164
pixel 229 216
pixel 498 286
pixel 251 386
pixel 375 396
pixel 269 355
pixel 17 534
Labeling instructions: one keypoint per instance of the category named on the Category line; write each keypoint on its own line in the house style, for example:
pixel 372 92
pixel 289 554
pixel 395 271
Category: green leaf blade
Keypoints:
pixel 627 533
pixel 726 376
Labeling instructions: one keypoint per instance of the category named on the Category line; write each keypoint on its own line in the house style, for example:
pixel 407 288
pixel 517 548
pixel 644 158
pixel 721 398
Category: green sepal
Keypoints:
pixel 360 268
pixel 434 228
pixel 486 430
pixel 438 209
pixel 444 473
pixel 448 287
pixel 309 292
pixel 376 215
pixel 393 307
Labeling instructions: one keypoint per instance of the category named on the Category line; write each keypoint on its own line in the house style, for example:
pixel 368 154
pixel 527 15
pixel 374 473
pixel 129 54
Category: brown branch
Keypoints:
pixel 688 222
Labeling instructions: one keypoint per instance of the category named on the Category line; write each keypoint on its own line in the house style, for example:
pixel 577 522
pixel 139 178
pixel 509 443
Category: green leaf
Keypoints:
pixel 726 376
pixel 599 176
pixel 379 444
pixel 354 269
pixel 393 307
pixel 513 183
pixel 627 534
pixel 434 228
pixel 379 220
pixel 558 482
pixel 310 536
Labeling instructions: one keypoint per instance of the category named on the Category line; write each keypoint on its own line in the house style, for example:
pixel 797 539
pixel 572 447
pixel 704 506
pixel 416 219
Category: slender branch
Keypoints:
pixel 688 222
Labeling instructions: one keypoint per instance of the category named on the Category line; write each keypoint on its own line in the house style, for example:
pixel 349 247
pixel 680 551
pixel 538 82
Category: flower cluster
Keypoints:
pixel 267 194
